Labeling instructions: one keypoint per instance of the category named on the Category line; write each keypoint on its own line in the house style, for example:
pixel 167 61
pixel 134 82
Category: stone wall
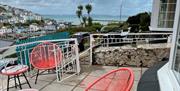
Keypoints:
pixel 148 54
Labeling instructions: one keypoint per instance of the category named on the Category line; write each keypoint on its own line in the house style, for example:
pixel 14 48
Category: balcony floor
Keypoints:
pixel 75 83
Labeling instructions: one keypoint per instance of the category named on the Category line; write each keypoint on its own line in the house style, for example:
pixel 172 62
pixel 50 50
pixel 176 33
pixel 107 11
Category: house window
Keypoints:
pixel 176 66
pixel 166 13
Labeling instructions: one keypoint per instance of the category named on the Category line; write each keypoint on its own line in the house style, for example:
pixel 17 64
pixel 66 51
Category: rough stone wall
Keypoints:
pixel 128 55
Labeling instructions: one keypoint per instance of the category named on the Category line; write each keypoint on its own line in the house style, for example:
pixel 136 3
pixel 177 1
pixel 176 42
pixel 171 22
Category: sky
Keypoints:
pixel 69 7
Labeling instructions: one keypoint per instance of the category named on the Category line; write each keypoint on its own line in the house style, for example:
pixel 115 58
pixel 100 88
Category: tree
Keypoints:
pixel 90 21
pixel 139 21
pixel 84 18
pixel 145 19
pixel 80 7
pixel 89 9
pixel 79 14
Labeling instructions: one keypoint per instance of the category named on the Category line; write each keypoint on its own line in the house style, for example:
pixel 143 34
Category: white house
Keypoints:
pixel 163 13
pixel 169 74
pixel 61 26
pixel 50 27
pixel 22 19
pixel 5 30
pixel 34 27
pixel 13 20
pixel 37 17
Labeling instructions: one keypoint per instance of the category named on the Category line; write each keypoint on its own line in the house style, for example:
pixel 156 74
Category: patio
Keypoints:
pixel 72 63
pixel 74 83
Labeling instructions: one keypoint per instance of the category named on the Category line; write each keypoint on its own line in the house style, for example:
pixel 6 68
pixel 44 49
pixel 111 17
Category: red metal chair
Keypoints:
pixel 15 72
pixel 45 56
pixel 117 80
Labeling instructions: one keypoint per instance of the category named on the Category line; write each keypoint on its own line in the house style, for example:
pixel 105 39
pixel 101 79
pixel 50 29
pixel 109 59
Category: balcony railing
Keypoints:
pixel 106 40
pixel 20 54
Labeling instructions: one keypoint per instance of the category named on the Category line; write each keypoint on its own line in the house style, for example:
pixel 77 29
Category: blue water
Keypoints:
pixel 75 20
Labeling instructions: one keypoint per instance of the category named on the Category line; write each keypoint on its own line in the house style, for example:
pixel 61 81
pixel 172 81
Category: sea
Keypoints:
pixel 103 19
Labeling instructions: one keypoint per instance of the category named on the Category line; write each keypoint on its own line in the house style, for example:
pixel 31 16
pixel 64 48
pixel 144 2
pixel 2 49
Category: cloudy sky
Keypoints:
pixel 68 7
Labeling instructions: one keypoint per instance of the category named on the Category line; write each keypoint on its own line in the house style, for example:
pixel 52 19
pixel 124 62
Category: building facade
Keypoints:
pixel 169 74
pixel 163 14
pixel 5 30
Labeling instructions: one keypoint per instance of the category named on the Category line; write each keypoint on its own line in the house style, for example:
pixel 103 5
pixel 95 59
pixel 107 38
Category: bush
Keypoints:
pixel 144 28
pixel 73 30
pixel 141 20
pixel 111 28
pixel 113 23
pixel 134 28
pixel 97 26
pixel 39 22
pixel 91 29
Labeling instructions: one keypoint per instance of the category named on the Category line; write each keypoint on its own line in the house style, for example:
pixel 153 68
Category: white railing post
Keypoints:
pixel 77 57
pixel 56 63
pixel 91 46
pixel 169 39
pixel 107 45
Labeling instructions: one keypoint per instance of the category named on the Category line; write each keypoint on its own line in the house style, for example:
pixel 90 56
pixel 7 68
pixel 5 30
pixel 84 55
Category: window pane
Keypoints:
pixel 166 16
pixel 176 66
pixel 168 1
pixel 166 13
pixel 165 24
pixel 167 7
pixel 177 62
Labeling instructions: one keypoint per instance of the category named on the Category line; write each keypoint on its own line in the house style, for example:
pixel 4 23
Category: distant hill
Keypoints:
pixel 16 11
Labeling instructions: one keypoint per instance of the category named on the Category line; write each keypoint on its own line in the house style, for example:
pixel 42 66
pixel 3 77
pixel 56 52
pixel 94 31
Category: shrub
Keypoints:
pixel 111 28
pixel 97 26
pixel 91 29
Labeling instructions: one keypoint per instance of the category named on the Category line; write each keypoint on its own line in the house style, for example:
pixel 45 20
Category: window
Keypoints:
pixel 176 66
pixel 166 13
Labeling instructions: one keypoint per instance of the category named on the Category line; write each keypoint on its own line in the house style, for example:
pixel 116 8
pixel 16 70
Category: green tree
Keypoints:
pixel 90 21
pixel 84 18
pixel 79 14
pixel 145 19
pixel 89 9
pixel 140 21
pixel 80 7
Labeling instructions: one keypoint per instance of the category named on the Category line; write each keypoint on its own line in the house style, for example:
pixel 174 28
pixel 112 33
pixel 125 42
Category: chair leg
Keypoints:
pixel 27 80
pixel 15 82
pixel 19 82
pixel 8 83
pixel 37 76
pixel 59 76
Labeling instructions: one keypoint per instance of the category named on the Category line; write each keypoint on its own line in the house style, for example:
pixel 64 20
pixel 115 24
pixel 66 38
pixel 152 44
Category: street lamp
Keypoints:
pixel 121 6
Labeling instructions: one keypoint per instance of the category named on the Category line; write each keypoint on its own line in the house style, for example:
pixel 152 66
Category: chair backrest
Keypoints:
pixel 46 56
pixel 117 80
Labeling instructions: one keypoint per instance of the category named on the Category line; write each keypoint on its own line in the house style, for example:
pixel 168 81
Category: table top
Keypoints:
pixel 4 62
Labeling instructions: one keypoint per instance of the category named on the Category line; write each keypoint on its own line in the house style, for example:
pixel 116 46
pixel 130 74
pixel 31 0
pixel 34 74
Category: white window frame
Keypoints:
pixel 166 75
pixel 164 12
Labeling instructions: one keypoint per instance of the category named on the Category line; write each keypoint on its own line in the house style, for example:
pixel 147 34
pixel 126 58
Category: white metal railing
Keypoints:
pixel 69 63
pixel 109 39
